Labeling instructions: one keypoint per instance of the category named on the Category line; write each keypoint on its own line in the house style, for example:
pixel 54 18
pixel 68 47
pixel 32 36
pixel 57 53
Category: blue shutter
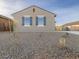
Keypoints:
pixel 22 20
pixel 44 20
pixel 30 20
pixel 36 20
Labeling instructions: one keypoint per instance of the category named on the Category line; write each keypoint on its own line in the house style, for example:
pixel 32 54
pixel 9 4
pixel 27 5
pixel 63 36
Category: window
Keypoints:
pixel 26 21
pixel 40 20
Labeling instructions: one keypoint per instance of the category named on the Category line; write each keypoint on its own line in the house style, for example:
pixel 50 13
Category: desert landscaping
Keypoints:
pixel 31 45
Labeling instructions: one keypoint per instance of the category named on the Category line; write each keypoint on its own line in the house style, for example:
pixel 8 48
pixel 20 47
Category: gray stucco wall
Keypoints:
pixel 50 20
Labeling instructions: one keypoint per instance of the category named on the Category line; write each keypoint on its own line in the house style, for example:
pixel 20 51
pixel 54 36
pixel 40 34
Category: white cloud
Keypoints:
pixel 3 8
pixel 9 6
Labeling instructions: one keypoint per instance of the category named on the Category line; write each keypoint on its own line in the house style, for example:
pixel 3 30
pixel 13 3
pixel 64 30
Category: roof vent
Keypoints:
pixel 33 10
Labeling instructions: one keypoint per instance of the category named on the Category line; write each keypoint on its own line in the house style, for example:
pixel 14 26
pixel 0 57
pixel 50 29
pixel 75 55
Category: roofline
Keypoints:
pixel 34 6
pixel 70 23
pixel 4 17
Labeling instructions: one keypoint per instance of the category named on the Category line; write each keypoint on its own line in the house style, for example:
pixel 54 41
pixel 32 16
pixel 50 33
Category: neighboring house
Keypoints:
pixel 58 28
pixel 73 26
pixel 6 24
pixel 34 19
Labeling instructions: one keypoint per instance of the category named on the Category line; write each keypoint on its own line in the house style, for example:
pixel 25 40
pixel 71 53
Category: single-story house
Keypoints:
pixel 73 26
pixel 34 19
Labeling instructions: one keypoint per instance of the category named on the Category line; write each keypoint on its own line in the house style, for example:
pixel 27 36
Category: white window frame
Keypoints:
pixel 25 25
pixel 40 25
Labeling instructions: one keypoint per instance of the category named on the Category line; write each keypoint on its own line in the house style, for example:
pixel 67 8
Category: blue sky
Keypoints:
pixel 66 10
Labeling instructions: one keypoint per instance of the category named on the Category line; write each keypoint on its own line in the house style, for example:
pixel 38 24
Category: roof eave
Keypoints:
pixel 33 6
